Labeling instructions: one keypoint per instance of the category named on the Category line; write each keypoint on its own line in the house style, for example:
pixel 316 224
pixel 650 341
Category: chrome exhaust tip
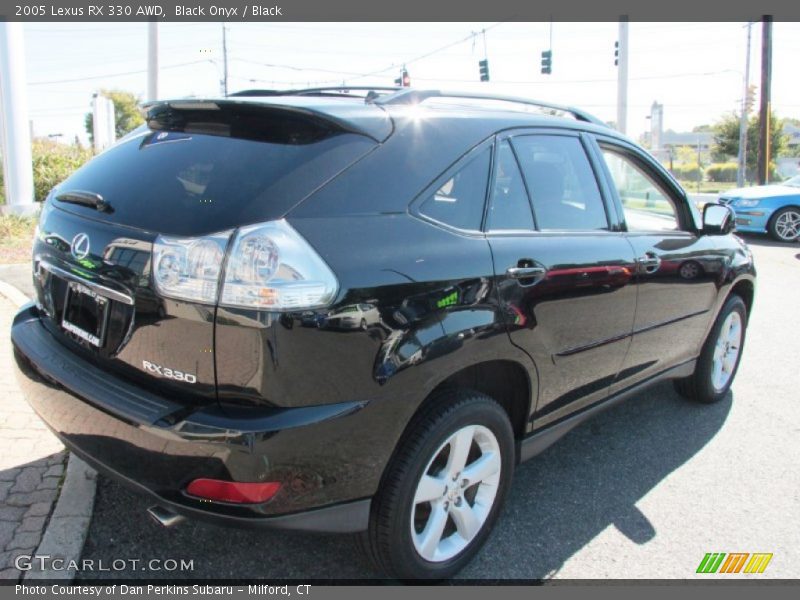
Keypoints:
pixel 164 516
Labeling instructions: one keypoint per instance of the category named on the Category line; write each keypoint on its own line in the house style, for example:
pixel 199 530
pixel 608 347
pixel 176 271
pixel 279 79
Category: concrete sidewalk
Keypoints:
pixel 32 463
pixel 46 500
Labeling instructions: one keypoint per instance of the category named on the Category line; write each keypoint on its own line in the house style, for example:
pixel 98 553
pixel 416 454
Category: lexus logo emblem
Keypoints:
pixel 80 246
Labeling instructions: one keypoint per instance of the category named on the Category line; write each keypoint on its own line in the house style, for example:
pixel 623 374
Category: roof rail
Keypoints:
pixel 254 92
pixel 318 91
pixel 412 96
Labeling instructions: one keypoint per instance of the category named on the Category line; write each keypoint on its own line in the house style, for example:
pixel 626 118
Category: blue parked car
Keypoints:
pixel 773 208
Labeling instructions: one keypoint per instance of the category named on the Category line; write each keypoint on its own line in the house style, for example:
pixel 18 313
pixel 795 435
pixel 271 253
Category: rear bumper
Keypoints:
pixel 157 445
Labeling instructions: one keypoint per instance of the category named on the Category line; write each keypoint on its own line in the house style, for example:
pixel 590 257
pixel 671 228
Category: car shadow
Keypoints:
pixel 593 478
pixel 560 500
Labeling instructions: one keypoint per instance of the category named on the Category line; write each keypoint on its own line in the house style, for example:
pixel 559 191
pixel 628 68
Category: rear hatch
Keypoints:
pixel 196 168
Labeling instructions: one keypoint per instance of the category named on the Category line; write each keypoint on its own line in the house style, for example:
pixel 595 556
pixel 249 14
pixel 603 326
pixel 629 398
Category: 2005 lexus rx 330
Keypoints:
pixel 516 267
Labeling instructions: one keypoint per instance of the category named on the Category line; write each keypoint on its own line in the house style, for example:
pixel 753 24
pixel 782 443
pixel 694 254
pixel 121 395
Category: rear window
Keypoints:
pixel 188 178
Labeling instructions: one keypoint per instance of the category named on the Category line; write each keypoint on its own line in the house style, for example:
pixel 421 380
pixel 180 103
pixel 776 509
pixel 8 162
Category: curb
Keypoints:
pixel 16 297
pixel 69 523
pixel 66 532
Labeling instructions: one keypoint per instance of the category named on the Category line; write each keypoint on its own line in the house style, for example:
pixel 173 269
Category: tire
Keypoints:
pixel 395 540
pixel 716 367
pixel 785 224
pixel 363 324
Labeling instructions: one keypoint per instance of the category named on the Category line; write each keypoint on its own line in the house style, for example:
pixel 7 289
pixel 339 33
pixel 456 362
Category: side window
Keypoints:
pixel 561 182
pixel 459 201
pixel 509 207
pixel 646 206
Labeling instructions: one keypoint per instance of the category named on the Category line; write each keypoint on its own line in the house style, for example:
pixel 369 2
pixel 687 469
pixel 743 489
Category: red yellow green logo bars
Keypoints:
pixel 734 562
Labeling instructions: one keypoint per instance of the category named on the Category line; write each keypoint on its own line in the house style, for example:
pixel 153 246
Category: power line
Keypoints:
pixel 568 81
pixel 139 72
pixel 468 38
pixel 293 68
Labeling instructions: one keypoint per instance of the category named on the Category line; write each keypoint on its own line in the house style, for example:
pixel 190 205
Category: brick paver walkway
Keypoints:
pixel 31 463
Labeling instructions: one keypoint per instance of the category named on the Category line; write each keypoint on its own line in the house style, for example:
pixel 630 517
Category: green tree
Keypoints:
pixel 726 140
pixel 126 113
pixel 791 151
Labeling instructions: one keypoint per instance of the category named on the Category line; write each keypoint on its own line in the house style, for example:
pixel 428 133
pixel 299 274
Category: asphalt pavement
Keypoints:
pixel 643 490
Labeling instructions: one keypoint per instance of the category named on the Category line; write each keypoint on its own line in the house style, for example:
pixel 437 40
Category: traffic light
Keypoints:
pixel 750 99
pixel 404 80
pixel 616 53
pixel 483 67
pixel 547 62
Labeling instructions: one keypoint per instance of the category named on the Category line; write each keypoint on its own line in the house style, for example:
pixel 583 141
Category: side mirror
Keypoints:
pixel 718 219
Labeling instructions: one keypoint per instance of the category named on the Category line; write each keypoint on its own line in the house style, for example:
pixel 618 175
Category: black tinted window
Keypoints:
pixel 561 183
pixel 187 183
pixel 509 208
pixel 459 201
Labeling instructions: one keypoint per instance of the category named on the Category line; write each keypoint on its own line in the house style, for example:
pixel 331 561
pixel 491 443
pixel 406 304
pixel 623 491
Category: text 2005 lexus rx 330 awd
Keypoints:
pixel 357 312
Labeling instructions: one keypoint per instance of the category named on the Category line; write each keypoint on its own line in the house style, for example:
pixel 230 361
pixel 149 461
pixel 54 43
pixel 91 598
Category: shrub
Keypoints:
pixel 53 163
pixel 722 172
pixel 687 172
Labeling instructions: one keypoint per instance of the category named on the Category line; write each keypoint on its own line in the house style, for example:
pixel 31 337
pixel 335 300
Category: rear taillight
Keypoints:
pixel 269 266
pixel 189 268
pixel 233 491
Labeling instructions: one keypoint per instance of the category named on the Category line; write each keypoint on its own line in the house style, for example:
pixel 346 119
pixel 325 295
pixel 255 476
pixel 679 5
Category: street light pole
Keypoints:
pixel 622 76
pixel 152 61
pixel 766 81
pixel 16 138
pixel 742 170
pixel 224 62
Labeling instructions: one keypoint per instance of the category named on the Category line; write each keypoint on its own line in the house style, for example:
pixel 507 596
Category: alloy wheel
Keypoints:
pixel 726 351
pixel 787 225
pixel 455 494
pixel 689 270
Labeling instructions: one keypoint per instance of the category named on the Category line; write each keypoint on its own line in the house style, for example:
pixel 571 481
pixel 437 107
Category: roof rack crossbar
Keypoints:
pixel 411 96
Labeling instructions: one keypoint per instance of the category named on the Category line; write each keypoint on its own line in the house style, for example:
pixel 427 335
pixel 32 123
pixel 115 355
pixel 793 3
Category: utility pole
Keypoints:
pixel 742 170
pixel 224 62
pixel 622 76
pixel 152 61
pixel 17 162
pixel 764 114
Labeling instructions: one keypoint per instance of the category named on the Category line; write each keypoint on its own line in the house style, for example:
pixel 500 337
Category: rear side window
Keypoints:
pixel 509 208
pixel 561 182
pixel 459 201
pixel 212 176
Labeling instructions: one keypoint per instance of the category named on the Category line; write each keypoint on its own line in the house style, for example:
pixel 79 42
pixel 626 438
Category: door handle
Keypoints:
pixel 534 273
pixel 649 263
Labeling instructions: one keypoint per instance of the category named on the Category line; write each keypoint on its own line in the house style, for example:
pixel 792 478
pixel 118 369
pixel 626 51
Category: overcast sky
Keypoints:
pixel 694 69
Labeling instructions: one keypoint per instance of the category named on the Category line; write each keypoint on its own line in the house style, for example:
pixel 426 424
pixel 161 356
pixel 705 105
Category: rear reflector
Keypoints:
pixel 233 491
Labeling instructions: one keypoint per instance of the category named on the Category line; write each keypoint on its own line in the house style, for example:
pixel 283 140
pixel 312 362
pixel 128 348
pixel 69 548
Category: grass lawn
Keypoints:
pixel 16 238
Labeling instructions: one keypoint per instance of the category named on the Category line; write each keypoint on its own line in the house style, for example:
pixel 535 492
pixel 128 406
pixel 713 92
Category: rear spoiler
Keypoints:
pixel 263 120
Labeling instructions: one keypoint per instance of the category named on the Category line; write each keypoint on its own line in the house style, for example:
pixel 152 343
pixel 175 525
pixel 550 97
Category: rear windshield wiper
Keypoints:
pixel 86 199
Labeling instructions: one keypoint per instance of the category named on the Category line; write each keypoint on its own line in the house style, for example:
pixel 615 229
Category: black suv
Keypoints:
pixel 343 311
